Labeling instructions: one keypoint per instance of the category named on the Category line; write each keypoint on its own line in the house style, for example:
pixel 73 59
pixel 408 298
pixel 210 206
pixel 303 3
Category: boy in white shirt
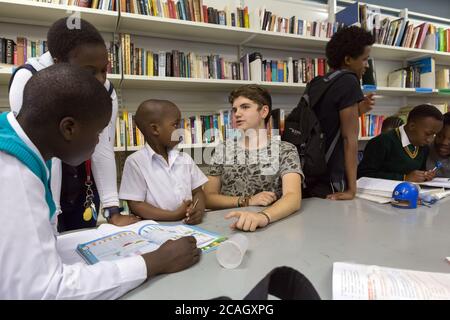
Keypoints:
pixel 64 111
pixel 159 182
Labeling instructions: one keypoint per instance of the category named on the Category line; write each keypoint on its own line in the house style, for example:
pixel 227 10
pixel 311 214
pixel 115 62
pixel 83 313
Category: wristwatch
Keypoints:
pixel 109 212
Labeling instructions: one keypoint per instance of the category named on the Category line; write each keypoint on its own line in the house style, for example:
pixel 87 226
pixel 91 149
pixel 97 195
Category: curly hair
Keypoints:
pixel 349 41
pixel 62 38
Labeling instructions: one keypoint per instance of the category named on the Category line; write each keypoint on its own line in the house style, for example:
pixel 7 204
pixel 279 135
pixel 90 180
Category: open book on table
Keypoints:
pixel 363 282
pixel 109 242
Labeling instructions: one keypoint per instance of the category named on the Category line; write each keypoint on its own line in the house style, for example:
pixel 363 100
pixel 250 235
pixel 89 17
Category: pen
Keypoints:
pixel 193 207
pixel 438 166
pixel 195 203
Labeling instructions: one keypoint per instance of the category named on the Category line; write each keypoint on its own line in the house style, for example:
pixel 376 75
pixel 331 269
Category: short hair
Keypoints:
pixel 391 123
pixel 349 41
pixel 64 90
pixel 255 93
pixel 62 37
pixel 425 111
pixel 446 117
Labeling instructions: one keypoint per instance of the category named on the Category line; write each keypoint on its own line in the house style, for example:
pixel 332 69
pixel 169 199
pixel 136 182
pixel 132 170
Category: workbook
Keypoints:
pixel 438 182
pixel 109 242
pixel 363 282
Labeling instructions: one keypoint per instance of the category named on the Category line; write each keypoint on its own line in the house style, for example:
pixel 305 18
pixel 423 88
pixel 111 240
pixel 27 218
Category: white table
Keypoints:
pixel 321 233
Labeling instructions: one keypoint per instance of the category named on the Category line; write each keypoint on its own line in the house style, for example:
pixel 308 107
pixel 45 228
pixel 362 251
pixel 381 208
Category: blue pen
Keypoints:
pixel 438 166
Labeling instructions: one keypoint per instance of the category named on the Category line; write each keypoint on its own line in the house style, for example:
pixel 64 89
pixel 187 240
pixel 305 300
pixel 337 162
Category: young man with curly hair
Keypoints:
pixel 338 109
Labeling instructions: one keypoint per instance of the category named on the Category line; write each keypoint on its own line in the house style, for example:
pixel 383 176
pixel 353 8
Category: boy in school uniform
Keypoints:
pixel 64 111
pixel 85 47
pixel 440 150
pixel 160 182
pixel 401 154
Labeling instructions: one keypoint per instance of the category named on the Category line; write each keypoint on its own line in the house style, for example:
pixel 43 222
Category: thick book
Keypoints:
pixel 349 16
pixel 109 242
pixel 369 77
pixel 367 282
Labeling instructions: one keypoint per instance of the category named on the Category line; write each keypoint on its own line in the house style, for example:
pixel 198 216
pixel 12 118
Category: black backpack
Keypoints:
pixel 302 128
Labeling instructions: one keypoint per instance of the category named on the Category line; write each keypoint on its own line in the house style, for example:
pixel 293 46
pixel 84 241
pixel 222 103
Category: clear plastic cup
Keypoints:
pixel 231 252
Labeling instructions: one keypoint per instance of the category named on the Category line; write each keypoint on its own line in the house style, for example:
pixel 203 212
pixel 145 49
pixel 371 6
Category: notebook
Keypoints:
pixel 109 242
pixel 363 282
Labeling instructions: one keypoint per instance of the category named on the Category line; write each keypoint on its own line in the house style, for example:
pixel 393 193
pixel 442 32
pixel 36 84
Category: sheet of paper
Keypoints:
pixel 375 184
pixel 374 198
pixel 361 282
pixel 438 182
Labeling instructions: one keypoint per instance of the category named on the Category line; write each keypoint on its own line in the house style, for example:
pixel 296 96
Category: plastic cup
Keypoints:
pixel 231 252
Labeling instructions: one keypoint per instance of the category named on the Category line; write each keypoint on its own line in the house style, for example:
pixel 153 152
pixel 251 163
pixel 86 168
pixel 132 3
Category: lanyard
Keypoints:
pixel 87 165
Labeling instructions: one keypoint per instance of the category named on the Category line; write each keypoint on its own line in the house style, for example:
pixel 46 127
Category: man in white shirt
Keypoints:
pixel 160 182
pixel 83 47
pixel 64 110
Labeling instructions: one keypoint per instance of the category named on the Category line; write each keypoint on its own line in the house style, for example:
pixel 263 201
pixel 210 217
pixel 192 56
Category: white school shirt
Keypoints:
pixel 30 267
pixel 103 159
pixel 148 177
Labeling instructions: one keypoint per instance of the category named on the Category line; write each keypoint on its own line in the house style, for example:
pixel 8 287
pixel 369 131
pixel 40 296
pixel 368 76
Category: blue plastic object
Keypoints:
pixel 405 196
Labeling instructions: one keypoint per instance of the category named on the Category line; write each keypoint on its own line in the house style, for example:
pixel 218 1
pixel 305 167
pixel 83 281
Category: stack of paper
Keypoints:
pixel 362 282
pixel 373 189
pixel 380 190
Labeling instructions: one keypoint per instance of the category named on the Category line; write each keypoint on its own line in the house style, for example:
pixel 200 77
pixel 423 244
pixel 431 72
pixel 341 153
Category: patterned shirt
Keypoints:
pixel 247 172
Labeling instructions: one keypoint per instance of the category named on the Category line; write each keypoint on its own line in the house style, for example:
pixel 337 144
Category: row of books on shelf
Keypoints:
pixel 17 52
pixel 175 63
pixel 291 70
pixel 94 4
pixel 294 25
pixel 370 125
pixel 189 10
pixel 420 73
pixel 197 129
pixel 399 32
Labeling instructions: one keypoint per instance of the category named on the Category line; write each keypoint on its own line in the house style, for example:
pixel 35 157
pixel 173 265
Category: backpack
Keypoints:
pixel 302 128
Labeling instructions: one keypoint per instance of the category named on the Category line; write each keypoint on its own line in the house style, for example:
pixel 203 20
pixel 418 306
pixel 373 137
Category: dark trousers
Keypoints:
pixel 73 196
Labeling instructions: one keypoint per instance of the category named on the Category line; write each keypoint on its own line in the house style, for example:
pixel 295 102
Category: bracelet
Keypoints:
pixel 266 215
pixel 243 201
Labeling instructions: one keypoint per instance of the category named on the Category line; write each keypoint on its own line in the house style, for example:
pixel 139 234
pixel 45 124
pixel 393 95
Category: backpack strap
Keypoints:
pixel 111 88
pixel 325 84
pixel 26 66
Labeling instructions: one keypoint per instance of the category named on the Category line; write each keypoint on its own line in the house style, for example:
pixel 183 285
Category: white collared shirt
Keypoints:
pixel 404 136
pixel 30 267
pixel 148 177
pixel 103 159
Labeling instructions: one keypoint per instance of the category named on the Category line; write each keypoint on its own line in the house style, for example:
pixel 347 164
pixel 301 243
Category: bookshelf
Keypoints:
pixel 44 14
pixel 200 95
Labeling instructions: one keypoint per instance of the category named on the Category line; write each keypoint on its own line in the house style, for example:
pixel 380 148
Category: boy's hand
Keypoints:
pixel 194 215
pixel 247 221
pixel 416 176
pixel 121 220
pixel 347 195
pixel 172 256
pixel 367 104
pixel 429 175
pixel 181 211
pixel 264 198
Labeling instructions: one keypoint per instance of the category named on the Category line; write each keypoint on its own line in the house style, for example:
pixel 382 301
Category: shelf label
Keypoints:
pixel 424 90
pixel 369 88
